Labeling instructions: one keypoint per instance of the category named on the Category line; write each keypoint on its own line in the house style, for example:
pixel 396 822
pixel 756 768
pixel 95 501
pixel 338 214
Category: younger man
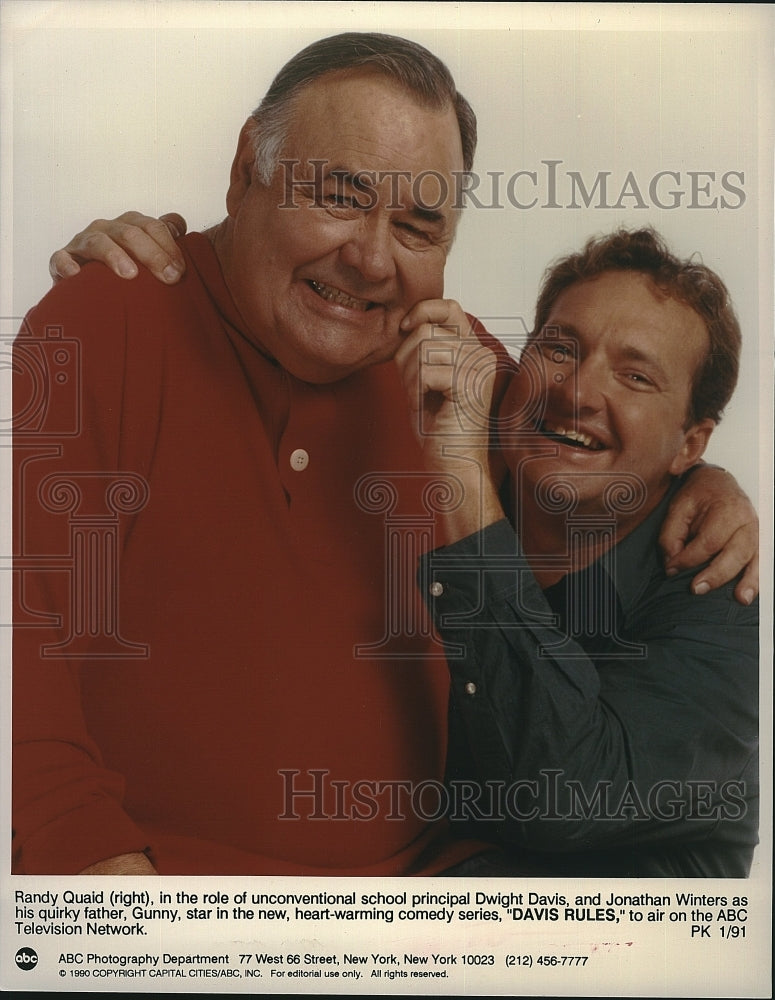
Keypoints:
pixel 603 717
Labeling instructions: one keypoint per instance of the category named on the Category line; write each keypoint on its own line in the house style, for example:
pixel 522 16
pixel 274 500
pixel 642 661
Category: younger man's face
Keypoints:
pixel 604 389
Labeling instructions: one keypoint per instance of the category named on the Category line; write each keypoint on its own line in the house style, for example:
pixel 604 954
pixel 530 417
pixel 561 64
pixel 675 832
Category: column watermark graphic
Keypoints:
pixel 408 533
pixel 77 511
pixel 93 503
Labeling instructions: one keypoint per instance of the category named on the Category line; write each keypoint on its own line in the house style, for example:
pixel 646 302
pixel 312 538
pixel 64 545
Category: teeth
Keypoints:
pixel 335 295
pixel 583 439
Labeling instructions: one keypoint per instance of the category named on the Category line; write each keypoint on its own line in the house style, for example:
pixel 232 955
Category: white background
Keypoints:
pixel 108 106
pixel 138 105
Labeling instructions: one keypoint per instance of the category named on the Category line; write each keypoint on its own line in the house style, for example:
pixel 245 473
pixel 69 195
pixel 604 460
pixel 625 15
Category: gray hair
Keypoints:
pixel 411 65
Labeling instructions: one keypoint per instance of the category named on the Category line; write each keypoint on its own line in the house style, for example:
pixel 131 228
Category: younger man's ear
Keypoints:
pixel 694 445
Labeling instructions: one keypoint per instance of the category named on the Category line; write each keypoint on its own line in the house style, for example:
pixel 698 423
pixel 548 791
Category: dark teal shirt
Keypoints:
pixel 605 726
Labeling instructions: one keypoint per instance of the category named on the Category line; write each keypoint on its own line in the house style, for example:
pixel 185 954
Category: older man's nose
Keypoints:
pixel 369 249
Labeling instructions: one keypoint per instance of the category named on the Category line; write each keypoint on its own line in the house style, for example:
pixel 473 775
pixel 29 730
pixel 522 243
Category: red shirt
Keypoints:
pixel 212 652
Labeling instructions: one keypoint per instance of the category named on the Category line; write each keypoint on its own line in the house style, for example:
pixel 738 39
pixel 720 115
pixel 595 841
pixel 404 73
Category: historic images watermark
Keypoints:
pixel 549 184
pixel 314 794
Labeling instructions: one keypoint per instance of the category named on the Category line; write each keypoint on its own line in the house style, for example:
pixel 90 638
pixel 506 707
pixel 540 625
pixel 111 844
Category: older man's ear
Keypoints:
pixel 242 168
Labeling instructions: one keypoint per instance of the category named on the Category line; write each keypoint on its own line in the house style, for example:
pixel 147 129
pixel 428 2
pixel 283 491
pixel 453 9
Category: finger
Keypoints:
pixel 748 586
pixel 698 551
pixel 420 345
pixel 152 245
pixel 718 572
pixel 176 224
pixel 409 370
pixel 62 265
pixel 723 569
pixel 736 555
pixel 716 531
pixel 93 244
pixel 426 386
pixel 443 312
pixel 123 243
pixel 409 364
pixel 410 345
pixel 443 362
pixel 676 527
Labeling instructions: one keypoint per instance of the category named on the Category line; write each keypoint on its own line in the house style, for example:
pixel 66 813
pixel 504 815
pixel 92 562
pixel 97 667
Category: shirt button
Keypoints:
pixel 437 589
pixel 470 688
pixel 299 460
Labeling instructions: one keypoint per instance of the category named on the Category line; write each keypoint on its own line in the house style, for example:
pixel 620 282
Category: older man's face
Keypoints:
pixel 324 282
pixel 605 391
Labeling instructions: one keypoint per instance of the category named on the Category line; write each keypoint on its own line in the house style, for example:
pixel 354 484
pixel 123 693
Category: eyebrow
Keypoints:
pixel 345 176
pixel 428 214
pixel 564 329
pixel 630 352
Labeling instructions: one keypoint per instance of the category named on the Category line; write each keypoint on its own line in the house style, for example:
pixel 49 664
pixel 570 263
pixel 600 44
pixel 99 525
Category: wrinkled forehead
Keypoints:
pixel 365 120
pixel 365 82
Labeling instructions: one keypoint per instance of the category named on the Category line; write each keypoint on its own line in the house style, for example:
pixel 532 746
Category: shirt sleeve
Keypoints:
pixel 650 736
pixel 69 359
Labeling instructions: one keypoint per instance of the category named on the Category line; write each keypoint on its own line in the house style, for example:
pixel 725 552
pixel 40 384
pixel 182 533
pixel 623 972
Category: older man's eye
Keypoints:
pixel 413 236
pixel 340 201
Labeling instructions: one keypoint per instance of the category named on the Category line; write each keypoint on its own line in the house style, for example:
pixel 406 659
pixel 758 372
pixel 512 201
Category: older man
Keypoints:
pixel 604 717
pixel 259 666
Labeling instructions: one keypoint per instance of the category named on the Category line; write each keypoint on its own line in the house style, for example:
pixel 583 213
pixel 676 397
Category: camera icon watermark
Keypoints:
pixel 65 518
pixel 46 397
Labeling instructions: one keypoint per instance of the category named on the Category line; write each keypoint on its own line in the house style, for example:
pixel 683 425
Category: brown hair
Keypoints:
pixel 690 282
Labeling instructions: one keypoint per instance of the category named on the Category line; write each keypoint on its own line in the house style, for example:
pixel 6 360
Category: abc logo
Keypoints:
pixel 26 959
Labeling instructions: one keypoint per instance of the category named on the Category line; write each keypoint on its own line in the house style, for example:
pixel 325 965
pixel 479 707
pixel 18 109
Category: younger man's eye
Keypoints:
pixel 557 351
